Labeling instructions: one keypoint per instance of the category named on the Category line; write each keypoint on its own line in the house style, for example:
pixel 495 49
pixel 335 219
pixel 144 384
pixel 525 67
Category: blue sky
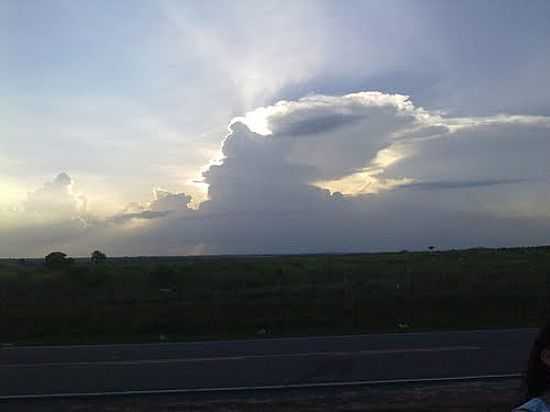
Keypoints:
pixel 128 97
pixel 63 48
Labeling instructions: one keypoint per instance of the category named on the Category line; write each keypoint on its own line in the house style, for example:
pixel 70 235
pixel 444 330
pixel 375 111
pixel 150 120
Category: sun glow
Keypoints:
pixel 10 193
pixel 362 183
pixel 367 180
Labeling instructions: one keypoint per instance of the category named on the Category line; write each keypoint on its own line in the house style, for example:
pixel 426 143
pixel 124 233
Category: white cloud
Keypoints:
pixel 55 201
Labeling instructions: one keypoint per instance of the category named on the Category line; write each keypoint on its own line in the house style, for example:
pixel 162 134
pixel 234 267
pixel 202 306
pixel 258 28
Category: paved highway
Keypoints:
pixel 278 362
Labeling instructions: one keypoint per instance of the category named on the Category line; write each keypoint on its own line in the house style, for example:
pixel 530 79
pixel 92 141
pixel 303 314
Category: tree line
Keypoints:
pixel 56 260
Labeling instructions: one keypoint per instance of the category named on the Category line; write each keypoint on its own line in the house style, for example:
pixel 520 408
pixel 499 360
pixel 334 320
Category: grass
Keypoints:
pixel 146 299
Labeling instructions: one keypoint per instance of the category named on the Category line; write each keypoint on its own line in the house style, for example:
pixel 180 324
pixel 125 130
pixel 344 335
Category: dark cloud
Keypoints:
pixel 321 122
pixel 461 184
pixel 164 204
pixel 504 148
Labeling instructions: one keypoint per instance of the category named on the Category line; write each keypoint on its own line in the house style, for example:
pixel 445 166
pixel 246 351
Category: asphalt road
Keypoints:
pixel 99 369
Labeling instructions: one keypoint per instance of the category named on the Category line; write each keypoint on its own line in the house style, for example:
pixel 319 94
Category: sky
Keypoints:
pixel 243 127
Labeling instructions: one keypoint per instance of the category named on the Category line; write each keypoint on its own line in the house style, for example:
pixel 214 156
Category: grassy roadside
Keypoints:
pixel 198 298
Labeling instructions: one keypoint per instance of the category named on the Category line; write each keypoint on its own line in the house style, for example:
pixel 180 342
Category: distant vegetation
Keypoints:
pixel 60 299
pixel 57 260
pixel 98 257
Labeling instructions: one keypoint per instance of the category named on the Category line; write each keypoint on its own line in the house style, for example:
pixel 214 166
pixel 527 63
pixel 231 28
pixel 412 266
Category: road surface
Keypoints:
pixel 262 363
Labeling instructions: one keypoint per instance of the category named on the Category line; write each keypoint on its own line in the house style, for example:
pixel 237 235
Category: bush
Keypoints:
pixel 98 257
pixel 56 260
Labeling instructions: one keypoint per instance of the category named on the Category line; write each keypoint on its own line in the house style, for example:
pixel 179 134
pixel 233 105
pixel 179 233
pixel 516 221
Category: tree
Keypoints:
pixel 98 257
pixel 56 260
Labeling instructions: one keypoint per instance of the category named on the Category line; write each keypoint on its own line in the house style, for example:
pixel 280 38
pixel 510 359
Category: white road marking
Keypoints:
pixel 260 388
pixel 240 357
pixel 277 339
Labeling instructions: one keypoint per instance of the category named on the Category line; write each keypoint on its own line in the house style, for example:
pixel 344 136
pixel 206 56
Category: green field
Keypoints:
pixel 145 299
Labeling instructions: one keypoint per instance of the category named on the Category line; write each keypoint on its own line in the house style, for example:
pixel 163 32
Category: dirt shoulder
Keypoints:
pixel 488 396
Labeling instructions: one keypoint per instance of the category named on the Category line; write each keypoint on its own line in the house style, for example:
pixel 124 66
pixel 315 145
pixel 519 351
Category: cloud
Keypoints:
pixel 498 165
pixel 267 193
pixel 317 138
pixel 408 178
pixel 167 201
pixel 54 201
pixel 461 184
pixel 146 214
pixel 164 204
pixel 165 97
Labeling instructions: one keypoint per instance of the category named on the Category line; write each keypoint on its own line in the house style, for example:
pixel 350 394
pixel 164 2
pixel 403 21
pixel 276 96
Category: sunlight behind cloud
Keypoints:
pixel 368 180
pixel 363 183
pixel 11 192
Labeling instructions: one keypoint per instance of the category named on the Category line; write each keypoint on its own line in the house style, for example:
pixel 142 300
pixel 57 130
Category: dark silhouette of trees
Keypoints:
pixel 98 257
pixel 56 260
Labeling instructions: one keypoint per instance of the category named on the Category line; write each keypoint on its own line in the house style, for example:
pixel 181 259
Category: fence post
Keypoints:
pixel 281 314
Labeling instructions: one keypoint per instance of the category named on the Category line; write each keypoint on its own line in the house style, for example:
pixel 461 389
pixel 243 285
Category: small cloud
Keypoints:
pixel 167 201
pixel 145 215
pixel 55 201
pixel 164 203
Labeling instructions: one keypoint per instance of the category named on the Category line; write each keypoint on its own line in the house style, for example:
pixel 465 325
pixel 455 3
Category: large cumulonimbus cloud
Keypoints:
pixel 409 178
pixel 279 150
pixel 364 171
